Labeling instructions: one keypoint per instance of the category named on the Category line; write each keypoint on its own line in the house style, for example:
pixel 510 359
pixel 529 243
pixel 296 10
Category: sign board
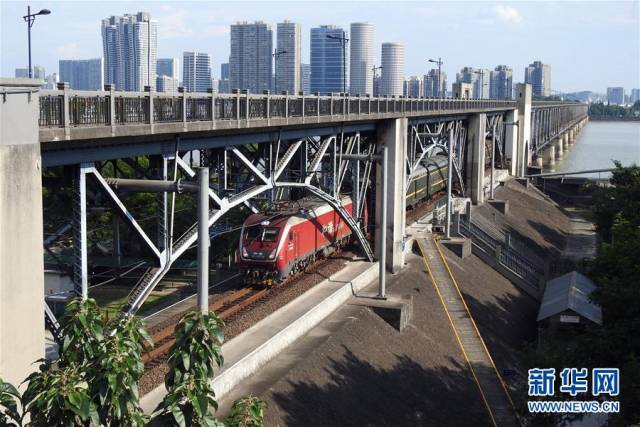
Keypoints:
pixel 565 318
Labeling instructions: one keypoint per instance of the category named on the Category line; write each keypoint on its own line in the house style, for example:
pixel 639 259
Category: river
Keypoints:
pixel 600 143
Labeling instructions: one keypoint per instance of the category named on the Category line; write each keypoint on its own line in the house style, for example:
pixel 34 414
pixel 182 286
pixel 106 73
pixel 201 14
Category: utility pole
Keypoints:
pixel 449 177
pixel 344 41
pixel 374 69
pixel 30 18
pixel 439 62
pixel 276 53
pixel 203 240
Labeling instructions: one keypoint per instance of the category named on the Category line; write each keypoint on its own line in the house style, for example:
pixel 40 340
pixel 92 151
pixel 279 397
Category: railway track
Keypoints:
pixel 227 307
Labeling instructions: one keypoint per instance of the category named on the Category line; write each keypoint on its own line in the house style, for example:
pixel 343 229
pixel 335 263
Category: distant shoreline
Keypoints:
pixel 613 119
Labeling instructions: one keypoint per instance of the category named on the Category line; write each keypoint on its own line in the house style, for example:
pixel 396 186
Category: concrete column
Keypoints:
pixel 523 94
pixel 21 262
pixel 393 134
pixel 550 156
pixel 572 136
pixel 565 140
pixel 511 140
pixel 475 157
pixel 559 148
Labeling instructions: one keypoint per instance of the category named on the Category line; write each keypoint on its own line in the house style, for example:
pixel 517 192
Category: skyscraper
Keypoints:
pixel 431 84
pixel 413 87
pixel 539 75
pixel 38 72
pixel 479 78
pixel 634 96
pixel 501 82
pixel 250 62
pixel 167 84
pixel 169 67
pixel 361 59
pixel 196 71
pixel 327 64
pixel 82 74
pixel 130 46
pixel 392 73
pixel 305 78
pixel 288 63
pixel 50 82
pixel 615 95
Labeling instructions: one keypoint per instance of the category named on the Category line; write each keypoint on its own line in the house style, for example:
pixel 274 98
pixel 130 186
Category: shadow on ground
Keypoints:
pixel 359 393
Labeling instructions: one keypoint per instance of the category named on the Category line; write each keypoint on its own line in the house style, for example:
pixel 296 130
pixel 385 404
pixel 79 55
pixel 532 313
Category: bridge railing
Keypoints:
pixel 71 108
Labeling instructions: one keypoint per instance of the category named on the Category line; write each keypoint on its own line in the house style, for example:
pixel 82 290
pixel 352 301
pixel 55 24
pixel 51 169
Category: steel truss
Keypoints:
pixel 428 139
pixel 495 130
pixel 322 167
pixel 550 122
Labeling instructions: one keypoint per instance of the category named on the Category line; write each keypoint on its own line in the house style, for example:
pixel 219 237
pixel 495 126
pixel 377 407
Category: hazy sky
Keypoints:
pixel 590 45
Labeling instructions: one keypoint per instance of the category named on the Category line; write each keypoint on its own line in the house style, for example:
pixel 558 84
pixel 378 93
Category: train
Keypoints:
pixel 428 180
pixel 279 243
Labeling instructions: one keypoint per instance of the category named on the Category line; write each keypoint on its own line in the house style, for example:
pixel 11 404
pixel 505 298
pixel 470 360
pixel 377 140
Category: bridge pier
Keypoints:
pixel 475 162
pixel 511 140
pixel 559 148
pixel 524 98
pixel 22 339
pixel 393 134
pixel 550 157
pixel 565 140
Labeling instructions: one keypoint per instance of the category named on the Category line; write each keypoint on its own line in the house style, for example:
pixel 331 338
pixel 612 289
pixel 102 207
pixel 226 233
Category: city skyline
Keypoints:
pixel 524 21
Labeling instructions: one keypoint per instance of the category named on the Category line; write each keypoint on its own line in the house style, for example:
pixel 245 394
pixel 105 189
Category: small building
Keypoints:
pixel 566 301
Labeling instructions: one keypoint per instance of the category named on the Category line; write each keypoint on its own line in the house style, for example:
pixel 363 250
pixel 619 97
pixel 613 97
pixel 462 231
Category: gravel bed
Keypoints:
pixel 277 297
pixel 422 209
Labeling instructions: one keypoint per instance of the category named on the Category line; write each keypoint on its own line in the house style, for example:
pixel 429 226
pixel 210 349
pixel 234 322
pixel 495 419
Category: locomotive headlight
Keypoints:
pixel 272 255
pixel 245 253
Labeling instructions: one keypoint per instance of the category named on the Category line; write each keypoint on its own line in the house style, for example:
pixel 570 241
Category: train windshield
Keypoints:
pixel 264 234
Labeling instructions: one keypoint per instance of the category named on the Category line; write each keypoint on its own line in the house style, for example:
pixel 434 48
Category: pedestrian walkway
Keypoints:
pixel 493 390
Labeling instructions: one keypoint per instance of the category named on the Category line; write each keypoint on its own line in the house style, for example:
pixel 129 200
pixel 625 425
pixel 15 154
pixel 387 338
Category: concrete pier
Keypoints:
pixel 565 140
pixel 559 148
pixel 21 261
pixel 524 97
pixel 393 134
pixel 475 162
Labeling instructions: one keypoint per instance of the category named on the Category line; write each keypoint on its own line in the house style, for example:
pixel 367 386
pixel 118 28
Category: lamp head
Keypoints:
pixel 44 12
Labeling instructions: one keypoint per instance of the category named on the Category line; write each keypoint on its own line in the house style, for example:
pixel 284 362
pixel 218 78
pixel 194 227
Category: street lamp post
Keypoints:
pixel 439 62
pixel 276 53
pixel 343 39
pixel 29 18
pixel 374 69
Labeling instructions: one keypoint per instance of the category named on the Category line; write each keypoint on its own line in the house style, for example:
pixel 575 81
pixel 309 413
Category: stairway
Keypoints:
pixel 493 390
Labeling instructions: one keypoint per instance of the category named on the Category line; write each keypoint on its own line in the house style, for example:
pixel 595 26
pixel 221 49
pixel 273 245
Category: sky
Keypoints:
pixel 589 45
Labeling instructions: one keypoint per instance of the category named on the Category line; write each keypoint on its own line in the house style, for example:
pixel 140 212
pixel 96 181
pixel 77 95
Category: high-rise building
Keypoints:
pixel 361 59
pixel 501 82
pixel 250 62
pixel 392 73
pixel 431 84
pixel 38 72
pixel 539 75
pixel 615 95
pixel 130 46
pixel 327 60
pixel 50 82
pixel 305 78
pixel 224 84
pixel 462 90
pixel 479 78
pixel 376 85
pixel 82 74
pixel 288 57
pixel 413 87
pixel 196 71
pixel 634 96
pixel 169 67
pixel 167 84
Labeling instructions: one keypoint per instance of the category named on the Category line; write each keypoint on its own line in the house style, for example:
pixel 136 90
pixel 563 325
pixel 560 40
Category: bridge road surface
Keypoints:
pixel 491 386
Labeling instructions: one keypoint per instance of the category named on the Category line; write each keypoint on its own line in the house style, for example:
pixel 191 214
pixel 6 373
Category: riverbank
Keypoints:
pixel 613 119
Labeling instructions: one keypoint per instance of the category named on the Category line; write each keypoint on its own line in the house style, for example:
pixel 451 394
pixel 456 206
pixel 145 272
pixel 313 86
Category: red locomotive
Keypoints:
pixel 281 243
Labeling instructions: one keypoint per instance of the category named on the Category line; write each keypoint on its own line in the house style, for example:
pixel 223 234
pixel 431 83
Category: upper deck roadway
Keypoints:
pixel 109 124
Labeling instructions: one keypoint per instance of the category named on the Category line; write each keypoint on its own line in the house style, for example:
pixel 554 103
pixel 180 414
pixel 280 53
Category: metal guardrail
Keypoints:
pixel 64 107
pixel 506 256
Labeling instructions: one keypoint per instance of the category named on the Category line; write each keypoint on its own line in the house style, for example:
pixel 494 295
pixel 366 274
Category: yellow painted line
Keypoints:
pixel 473 322
pixel 464 353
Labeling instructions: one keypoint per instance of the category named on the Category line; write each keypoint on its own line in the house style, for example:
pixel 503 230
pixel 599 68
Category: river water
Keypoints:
pixel 599 144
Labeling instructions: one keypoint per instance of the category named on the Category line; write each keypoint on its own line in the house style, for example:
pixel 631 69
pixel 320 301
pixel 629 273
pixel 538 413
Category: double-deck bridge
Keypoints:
pixel 259 149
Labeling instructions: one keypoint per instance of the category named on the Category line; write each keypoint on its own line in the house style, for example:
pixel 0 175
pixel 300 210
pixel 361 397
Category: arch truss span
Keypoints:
pixel 254 176
pixel 433 138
